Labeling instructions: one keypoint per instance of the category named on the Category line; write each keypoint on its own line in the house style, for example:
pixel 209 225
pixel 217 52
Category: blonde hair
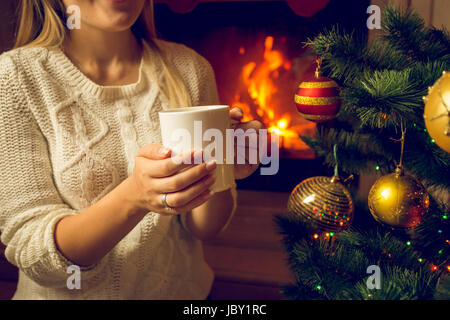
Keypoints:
pixel 41 24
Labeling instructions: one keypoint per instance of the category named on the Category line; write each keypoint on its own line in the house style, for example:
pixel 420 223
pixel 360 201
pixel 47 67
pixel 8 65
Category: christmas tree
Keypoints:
pixel 382 83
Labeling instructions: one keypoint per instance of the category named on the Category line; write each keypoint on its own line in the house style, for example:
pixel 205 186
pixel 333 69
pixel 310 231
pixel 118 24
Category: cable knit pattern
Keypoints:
pixel 65 142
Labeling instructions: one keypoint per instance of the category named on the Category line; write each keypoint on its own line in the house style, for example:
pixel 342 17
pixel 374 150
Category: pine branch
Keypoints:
pixel 426 161
pixel 406 32
pixel 431 236
pixel 443 289
pixel 382 99
pixel 397 284
pixel 346 56
pixel 337 270
pixel 357 152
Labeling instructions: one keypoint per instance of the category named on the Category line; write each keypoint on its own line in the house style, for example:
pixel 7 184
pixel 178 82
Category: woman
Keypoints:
pixel 85 181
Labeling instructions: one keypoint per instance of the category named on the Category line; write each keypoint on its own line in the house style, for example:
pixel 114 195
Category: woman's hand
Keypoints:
pixel 242 171
pixel 156 173
pixel 110 219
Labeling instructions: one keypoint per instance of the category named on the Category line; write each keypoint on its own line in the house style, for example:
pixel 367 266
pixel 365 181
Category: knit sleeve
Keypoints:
pixel 30 205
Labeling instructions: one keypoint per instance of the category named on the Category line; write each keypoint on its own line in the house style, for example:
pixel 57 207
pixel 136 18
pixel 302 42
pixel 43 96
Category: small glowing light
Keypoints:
pixel 275 130
pixel 448 268
pixel 331 234
pixel 440 251
pixel 425 130
pixel 327 234
pixel 316 236
pixel 444 217
pixel 377 168
pixel 432 141
pixel 309 198
pixel 439 231
pixel 415 125
pixel 282 124
pixel 386 193
pixel 408 243
pixel 434 268
pixel 420 259
pixel 319 287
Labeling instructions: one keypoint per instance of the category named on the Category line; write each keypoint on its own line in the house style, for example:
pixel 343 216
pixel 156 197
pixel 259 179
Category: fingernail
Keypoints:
pixel 163 151
pixel 211 165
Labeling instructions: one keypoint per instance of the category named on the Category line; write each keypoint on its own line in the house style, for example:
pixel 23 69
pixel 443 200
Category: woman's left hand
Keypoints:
pixel 242 171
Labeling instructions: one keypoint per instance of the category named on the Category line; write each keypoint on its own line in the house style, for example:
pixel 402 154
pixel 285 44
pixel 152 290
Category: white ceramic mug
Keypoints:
pixel 195 128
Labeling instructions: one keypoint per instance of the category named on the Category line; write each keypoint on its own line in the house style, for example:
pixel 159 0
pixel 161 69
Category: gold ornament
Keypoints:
pixel 398 200
pixel 323 201
pixel 437 112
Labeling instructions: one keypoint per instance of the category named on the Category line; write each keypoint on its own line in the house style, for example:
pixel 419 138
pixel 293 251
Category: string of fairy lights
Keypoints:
pixel 444 216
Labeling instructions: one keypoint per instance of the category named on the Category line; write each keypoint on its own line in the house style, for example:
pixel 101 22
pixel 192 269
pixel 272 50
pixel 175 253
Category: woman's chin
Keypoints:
pixel 113 25
pixel 118 2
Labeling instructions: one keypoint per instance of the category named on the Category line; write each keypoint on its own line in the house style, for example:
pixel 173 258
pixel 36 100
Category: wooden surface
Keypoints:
pixel 247 258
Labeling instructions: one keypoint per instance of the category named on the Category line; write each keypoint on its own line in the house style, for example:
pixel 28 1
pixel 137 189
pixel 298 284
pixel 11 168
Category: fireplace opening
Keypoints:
pixel 257 51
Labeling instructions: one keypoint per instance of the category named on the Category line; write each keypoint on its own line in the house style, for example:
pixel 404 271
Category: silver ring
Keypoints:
pixel 164 201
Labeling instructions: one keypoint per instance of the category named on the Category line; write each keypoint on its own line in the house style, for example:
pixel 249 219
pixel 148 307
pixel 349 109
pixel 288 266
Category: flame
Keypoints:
pixel 258 80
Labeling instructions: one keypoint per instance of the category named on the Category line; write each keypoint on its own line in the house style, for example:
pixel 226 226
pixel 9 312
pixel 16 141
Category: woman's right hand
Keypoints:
pixel 156 173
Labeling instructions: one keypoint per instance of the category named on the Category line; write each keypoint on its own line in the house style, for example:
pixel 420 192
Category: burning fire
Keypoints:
pixel 259 83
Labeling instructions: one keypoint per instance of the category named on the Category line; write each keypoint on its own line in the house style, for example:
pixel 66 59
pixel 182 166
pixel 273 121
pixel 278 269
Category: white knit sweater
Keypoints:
pixel 65 142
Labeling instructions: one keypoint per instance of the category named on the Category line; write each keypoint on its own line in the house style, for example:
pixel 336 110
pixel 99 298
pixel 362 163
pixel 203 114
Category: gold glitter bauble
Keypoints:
pixel 398 200
pixel 437 112
pixel 324 202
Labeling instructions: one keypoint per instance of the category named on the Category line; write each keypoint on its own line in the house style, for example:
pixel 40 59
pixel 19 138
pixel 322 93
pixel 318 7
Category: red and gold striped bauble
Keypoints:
pixel 318 99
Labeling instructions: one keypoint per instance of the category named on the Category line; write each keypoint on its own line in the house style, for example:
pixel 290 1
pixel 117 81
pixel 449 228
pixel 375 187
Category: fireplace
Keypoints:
pixel 256 50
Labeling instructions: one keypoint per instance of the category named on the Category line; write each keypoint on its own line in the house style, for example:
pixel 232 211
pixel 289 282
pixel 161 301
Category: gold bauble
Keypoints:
pixel 398 200
pixel 324 202
pixel 437 112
